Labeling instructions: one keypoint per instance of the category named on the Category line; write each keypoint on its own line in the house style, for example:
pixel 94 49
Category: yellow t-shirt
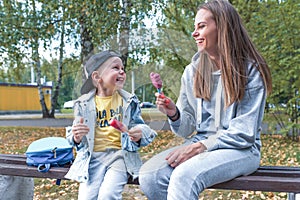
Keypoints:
pixel 105 135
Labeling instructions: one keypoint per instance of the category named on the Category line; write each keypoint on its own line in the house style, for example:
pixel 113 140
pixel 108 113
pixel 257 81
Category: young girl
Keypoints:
pixel 222 100
pixel 105 156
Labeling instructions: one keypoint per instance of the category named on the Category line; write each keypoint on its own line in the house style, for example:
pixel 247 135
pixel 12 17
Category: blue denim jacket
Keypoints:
pixel 85 107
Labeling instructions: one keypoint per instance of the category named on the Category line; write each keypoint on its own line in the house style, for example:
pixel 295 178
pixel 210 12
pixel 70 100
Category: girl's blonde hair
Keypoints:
pixel 236 49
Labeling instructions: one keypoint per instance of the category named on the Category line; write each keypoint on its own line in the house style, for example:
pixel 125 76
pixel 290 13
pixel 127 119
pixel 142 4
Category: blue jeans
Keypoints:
pixel 107 177
pixel 160 181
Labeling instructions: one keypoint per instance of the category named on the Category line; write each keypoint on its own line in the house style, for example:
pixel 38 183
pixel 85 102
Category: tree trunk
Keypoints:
pixel 87 47
pixel 124 30
pixel 59 70
pixel 37 67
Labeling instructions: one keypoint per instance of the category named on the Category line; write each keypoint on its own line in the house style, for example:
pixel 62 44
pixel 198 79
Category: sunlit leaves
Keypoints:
pixel 276 150
pixel 16 139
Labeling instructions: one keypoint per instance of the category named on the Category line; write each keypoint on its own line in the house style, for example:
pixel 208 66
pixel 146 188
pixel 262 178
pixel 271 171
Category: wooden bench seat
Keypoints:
pixel 266 178
pixel 15 165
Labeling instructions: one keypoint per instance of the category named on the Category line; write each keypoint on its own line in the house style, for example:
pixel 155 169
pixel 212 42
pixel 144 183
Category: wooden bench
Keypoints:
pixel 266 178
pixel 15 165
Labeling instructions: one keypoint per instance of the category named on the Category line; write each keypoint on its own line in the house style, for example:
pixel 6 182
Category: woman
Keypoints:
pixel 219 110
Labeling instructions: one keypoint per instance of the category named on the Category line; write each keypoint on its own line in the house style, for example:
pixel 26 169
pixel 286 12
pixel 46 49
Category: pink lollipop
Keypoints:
pixel 156 81
pixel 118 125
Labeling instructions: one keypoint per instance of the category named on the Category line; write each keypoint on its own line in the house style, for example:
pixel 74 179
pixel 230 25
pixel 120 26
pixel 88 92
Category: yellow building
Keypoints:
pixel 22 98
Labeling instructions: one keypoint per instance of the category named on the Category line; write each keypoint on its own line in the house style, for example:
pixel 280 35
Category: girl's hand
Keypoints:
pixel 79 130
pixel 135 134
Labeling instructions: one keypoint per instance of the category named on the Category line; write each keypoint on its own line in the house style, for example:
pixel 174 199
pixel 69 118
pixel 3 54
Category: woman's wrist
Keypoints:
pixel 175 116
pixel 200 147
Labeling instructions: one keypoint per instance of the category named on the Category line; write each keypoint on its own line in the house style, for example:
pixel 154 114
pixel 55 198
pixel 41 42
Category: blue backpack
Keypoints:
pixel 50 151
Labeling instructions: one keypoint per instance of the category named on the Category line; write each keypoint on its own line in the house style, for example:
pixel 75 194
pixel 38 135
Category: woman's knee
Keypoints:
pixel 154 183
pixel 146 178
pixel 152 170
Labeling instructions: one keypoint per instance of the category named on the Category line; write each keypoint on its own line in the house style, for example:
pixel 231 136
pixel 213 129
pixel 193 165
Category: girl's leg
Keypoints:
pixel 90 189
pixel 114 180
pixel 190 178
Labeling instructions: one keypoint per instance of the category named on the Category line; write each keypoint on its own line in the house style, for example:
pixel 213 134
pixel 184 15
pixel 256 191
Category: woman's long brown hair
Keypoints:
pixel 235 50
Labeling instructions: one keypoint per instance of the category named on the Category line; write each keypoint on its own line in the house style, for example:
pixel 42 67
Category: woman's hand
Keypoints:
pixel 184 153
pixel 135 134
pixel 165 104
pixel 79 130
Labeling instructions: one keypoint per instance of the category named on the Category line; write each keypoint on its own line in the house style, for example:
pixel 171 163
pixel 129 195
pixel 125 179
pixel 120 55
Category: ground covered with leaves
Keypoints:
pixel 276 150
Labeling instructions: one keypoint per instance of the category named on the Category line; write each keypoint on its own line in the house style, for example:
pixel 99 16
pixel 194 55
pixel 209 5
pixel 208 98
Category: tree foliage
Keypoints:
pixel 33 23
pixel 95 22
pixel 88 26
pixel 274 27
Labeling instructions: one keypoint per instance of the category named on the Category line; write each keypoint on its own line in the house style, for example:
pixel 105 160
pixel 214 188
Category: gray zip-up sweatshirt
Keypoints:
pixel 238 126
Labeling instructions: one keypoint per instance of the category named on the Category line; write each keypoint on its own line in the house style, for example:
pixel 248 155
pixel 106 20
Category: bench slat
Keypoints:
pixel 279 171
pixel 13 155
pixel 30 171
pixel 261 183
pixel 13 159
pixel 285 168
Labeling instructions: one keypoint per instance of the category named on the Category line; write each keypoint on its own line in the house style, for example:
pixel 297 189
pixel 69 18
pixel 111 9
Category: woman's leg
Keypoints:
pixel 190 178
pixel 154 176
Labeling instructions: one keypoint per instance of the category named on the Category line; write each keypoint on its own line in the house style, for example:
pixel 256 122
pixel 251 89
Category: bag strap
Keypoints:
pixel 44 167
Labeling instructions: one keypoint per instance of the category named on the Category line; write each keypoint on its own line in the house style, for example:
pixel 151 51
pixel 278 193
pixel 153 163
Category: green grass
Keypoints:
pixel 276 150
pixel 66 111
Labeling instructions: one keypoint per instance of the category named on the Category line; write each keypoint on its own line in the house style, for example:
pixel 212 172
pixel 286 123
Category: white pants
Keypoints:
pixel 107 177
